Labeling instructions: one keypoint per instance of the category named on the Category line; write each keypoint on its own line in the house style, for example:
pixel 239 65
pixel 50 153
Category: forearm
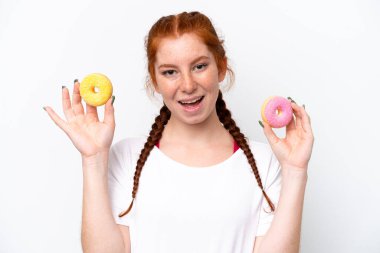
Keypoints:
pixel 100 233
pixel 284 233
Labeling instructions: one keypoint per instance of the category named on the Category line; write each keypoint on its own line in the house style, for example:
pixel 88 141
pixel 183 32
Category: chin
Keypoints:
pixel 199 119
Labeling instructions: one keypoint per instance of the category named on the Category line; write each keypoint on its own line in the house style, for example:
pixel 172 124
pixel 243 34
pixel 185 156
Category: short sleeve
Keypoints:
pixel 120 181
pixel 272 187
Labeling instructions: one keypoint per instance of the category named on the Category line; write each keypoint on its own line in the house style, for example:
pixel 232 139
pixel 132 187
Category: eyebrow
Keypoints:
pixel 194 61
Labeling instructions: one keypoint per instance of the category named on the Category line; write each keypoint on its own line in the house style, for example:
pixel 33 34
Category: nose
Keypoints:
pixel 188 84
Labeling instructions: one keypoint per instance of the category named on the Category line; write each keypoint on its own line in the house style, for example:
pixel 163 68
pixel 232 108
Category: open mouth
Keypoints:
pixel 194 102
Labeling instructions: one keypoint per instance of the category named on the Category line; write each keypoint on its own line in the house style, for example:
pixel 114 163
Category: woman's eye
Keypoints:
pixel 168 72
pixel 200 66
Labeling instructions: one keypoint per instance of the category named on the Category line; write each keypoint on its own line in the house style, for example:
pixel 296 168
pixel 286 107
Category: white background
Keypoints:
pixel 324 54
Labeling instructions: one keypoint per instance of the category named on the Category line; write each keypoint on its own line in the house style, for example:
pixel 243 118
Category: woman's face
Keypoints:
pixel 187 77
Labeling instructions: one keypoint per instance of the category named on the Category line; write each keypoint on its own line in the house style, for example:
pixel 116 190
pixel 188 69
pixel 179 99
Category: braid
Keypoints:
pixel 225 117
pixel 154 135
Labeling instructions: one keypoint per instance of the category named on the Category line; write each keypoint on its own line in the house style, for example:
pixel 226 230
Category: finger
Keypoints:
pixel 271 136
pixel 109 116
pixel 300 117
pixel 291 127
pixel 57 120
pixel 91 113
pixel 77 99
pixel 297 115
pixel 66 104
pixel 306 122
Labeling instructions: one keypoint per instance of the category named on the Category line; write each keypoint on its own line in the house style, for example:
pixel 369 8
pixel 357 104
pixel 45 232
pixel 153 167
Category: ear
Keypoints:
pixel 156 89
pixel 223 71
pixel 153 85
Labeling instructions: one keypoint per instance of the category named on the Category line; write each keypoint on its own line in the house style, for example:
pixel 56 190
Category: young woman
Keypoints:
pixel 197 183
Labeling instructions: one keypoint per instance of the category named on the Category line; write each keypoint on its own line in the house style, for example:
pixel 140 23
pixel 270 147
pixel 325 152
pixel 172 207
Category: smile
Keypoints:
pixel 192 102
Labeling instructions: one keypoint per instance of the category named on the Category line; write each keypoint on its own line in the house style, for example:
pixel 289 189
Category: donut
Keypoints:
pixel 277 111
pixel 88 88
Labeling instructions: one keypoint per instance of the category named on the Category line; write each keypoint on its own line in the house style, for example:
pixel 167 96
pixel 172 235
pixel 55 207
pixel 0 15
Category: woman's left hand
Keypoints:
pixel 293 151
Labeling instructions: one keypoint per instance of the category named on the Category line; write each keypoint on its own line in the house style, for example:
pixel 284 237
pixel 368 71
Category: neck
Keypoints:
pixel 209 131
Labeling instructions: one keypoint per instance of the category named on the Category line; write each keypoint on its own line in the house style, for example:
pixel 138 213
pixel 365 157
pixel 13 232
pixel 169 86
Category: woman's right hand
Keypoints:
pixel 87 133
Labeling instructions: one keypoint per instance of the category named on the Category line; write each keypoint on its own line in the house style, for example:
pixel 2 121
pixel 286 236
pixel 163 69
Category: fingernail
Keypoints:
pixel 303 106
pixel 291 99
pixel 44 108
pixel 261 124
pixel 63 86
pixel 76 80
pixel 113 99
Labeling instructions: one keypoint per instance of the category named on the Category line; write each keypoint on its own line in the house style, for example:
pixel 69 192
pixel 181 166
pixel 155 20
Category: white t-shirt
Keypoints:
pixel 179 208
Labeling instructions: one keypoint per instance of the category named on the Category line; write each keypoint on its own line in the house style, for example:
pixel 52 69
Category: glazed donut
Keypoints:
pixel 95 81
pixel 277 111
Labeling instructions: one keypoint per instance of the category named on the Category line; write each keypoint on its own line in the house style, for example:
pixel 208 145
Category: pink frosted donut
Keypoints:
pixel 277 111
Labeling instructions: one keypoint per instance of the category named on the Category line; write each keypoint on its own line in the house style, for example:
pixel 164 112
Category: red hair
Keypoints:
pixel 176 25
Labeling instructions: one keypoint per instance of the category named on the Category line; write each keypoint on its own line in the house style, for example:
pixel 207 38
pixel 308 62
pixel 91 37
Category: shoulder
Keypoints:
pixel 265 159
pixel 125 152
pixel 260 149
pixel 129 143
pixel 127 146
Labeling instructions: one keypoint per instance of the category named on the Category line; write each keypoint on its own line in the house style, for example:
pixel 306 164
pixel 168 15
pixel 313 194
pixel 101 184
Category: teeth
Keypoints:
pixel 189 102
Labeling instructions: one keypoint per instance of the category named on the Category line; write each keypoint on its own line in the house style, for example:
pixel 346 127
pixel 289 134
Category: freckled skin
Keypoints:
pixel 184 77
